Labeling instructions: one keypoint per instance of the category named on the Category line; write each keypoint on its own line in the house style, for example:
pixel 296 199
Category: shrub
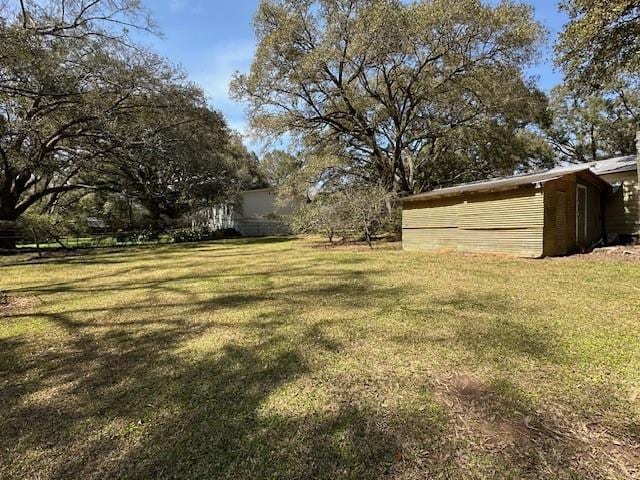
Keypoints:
pixel 136 236
pixel 200 235
pixel 359 210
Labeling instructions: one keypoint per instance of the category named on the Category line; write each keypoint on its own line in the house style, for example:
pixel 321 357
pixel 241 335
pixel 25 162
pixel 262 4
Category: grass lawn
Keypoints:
pixel 278 359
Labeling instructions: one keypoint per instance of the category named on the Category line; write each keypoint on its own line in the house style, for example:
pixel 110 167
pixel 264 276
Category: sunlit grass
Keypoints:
pixel 278 358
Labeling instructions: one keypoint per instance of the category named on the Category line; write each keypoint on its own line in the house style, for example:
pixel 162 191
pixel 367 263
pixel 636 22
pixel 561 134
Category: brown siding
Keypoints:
pixel 506 222
pixel 622 211
pixel 595 229
pixel 559 212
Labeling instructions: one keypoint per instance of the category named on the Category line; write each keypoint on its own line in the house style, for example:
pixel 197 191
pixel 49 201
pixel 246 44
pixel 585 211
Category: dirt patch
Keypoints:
pixel 468 388
pixel 493 421
pixel 620 252
pixel 469 399
pixel 10 304
pixel 480 415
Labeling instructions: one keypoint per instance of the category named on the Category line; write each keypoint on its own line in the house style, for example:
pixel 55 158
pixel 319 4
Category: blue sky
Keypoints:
pixel 211 39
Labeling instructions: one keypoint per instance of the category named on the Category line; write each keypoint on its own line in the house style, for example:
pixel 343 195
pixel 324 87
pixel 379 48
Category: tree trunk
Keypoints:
pixel 130 212
pixel 37 240
pixel 154 210
pixel 367 236
pixel 8 233
pixel 8 212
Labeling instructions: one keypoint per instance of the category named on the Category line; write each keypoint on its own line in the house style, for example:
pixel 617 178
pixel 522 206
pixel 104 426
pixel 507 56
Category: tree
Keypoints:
pixel 600 42
pixel 350 209
pixel 280 167
pixel 589 127
pixel 248 170
pixel 320 216
pixel 366 210
pixel 66 71
pixel 83 107
pixel 600 47
pixel 171 156
pixel 410 96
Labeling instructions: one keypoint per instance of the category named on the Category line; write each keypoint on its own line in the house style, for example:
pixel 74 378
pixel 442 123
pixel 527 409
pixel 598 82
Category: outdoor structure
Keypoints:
pixel 254 214
pixel 622 208
pixel 556 212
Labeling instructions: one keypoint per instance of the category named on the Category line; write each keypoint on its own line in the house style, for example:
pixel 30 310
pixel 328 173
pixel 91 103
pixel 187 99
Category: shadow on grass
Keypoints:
pixel 490 326
pixel 121 399
pixel 121 404
pixel 496 329
pixel 117 399
pixel 348 286
pixel 123 253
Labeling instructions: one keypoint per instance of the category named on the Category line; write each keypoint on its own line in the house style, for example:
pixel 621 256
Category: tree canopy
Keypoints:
pixel 410 96
pixel 600 42
pixel 83 107
pixel 588 127
pixel 171 155
pixel 598 51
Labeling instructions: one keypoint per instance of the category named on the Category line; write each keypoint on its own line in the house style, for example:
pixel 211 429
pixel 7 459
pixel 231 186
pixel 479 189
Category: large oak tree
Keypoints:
pixel 600 42
pixel 599 48
pixel 66 71
pixel 174 156
pixel 410 96
pixel 589 127
pixel 83 107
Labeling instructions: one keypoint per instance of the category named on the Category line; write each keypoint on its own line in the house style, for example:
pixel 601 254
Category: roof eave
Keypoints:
pixel 626 168
pixel 433 195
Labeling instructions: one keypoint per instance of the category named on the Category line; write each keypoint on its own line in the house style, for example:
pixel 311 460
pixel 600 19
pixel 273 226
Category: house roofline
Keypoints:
pixel 502 184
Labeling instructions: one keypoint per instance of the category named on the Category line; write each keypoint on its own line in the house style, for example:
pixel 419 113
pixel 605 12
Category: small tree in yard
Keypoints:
pixel 365 210
pixel 356 210
pixel 319 216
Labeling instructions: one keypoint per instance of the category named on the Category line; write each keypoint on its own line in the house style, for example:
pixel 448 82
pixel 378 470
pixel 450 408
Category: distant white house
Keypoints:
pixel 255 213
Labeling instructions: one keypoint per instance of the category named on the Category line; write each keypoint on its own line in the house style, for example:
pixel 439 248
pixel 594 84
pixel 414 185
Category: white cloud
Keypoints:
pixel 177 5
pixel 190 6
pixel 217 66
pixel 213 71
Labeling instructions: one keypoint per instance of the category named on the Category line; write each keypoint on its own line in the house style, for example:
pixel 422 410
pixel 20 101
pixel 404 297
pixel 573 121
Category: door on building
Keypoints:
pixel 581 215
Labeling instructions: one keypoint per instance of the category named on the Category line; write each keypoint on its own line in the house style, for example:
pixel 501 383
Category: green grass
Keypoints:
pixel 92 241
pixel 279 359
